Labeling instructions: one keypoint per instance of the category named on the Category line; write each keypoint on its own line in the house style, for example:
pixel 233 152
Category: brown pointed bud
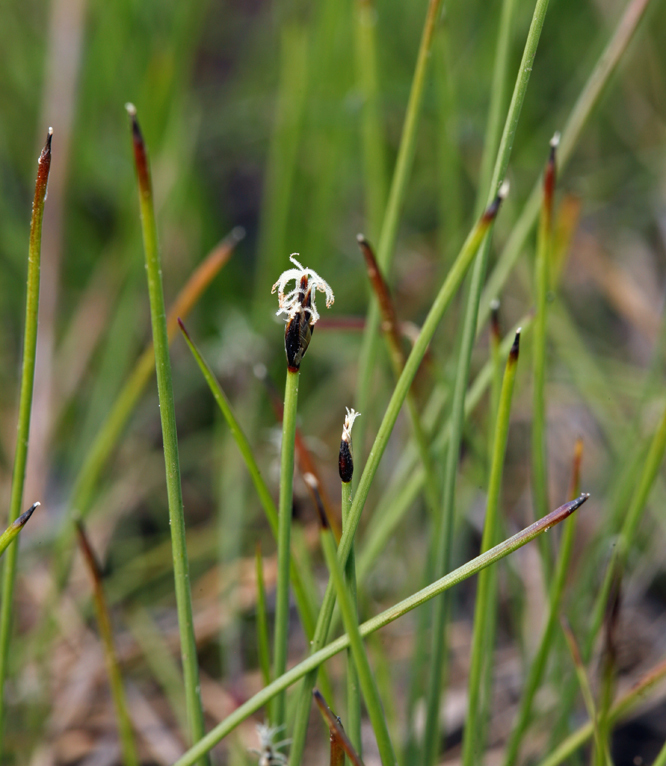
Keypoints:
pixel 549 178
pixel 346 459
pixel 493 209
pixel 495 329
pixel 140 153
pixel 515 348
pixel 312 482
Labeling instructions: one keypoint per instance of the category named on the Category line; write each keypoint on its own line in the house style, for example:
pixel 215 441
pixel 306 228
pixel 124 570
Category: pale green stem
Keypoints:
pixel 281 630
pixel 366 677
pixel 386 617
pixel 473 743
pixel 443 536
pixel 262 621
pixel 353 723
pixel 24 412
pixel 188 647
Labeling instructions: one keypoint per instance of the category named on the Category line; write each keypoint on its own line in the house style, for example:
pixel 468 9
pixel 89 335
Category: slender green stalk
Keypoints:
pixel 366 678
pixel 442 301
pixel 281 629
pixel 12 532
pixel 584 683
pixel 586 102
pixel 24 411
pixel 386 617
pixel 473 743
pixel 188 645
pixel 548 635
pixel 262 621
pixel 125 730
pixel 539 417
pixel 396 198
pixel 303 601
pixel 444 534
pixel 374 174
pixel 635 696
pixel 353 689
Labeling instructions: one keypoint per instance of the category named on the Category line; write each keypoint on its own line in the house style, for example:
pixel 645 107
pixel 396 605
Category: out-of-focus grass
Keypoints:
pixel 255 117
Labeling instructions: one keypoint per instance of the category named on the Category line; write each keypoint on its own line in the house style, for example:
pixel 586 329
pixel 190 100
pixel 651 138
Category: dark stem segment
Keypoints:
pixel 345 462
pixel 126 732
pixel 339 740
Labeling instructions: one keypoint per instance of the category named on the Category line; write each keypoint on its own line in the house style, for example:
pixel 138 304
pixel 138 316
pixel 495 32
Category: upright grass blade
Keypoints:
pixel 340 742
pixel 346 471
pixel 538 664
pixel 304 604
pixel 281 629
pixel 541 277
pixel 584 683
pixel 24 411
pixel 396 354
pixel 262 621
pixel 12 532
pixel 374 173
pixel 473 742
pixel 188 645
pixel 390 221
pixel 386 617
pixel 444 533
pixel 620 710
pixel 580 113
pixel 366 677
pixel 125 730
pixel 442 301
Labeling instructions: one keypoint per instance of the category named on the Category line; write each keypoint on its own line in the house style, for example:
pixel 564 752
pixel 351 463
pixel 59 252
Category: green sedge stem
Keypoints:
pixel 188 645
pixel 262 621
pixel 366 678
pixel 539 419
pixel 538 666
pixel 381 620
pixel 580 113
pixel 125 730
pixel 396 198
pixel 25 409
pixel 444 534
pixel 281 632
pixel 303 601
pixel 13 530
pixel 619 711
pixel 442 301
pixel 353 690
pixel 473 745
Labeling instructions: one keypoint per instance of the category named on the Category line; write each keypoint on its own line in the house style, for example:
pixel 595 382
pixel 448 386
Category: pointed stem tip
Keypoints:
pixel 25 517
pixel 493 208
pixel 312 482
pixel 515 348
pixel 495 327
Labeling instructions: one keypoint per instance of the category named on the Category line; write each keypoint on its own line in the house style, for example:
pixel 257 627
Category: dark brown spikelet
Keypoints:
pixel 298 332
pixel 345 462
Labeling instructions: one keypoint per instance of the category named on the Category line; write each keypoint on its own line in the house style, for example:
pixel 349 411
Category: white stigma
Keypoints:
pixel 349 424
pixel 291 303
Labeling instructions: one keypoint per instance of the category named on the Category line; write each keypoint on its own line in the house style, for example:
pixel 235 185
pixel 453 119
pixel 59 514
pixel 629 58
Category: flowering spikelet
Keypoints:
pixel 346 460
pixel 298 306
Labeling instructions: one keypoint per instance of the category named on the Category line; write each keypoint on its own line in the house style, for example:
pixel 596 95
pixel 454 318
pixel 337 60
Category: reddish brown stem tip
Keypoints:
pixel 89 554
pixel 140 155
pixel 493 209
pixel 312 482
pixel 515 348
pixel 183 329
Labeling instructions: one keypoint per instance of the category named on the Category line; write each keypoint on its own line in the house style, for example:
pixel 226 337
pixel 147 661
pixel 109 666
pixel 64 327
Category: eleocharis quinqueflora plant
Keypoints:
pixel 24 410
pixel 300 311
pixel 188 646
